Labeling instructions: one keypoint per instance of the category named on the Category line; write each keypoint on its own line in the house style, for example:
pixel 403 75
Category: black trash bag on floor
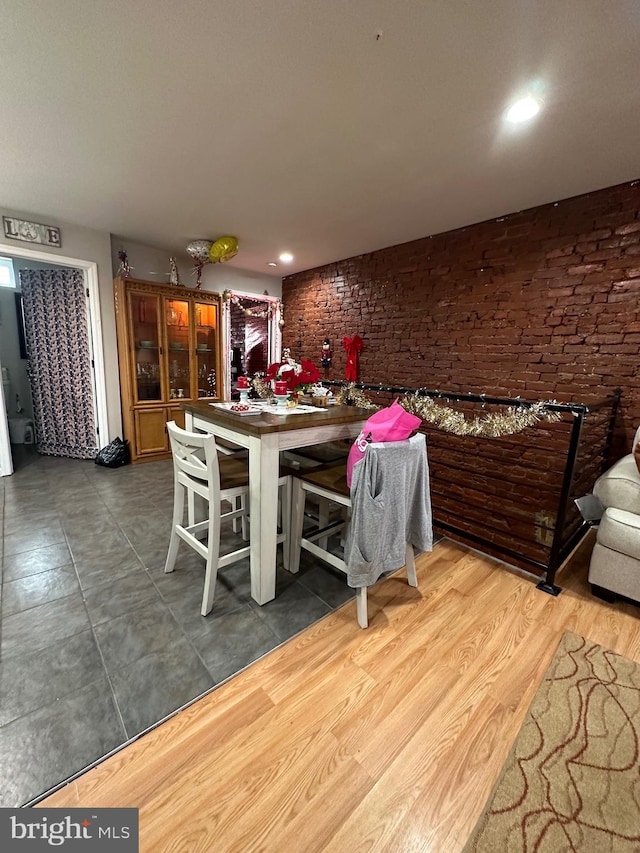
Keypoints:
pixel 114 454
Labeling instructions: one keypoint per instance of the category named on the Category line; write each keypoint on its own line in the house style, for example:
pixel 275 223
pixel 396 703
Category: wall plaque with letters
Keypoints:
pixel 31 232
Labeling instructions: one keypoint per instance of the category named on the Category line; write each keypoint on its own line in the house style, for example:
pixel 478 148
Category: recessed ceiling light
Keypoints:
pixel 272 264
pixel 286 257
pixel 523 110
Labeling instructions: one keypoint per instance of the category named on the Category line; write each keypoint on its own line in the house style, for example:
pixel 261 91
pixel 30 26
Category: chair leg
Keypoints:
pixel 297 521
pixel 241 503
pixel 191 509
pixel 235 524
pixel 285 522
pixel 323 520
pixel 410 564
pixel 178 517
pixel 213 557
pixel 361 606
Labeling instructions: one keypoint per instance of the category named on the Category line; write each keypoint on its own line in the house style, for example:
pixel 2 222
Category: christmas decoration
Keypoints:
pixel 299 377
pixel 512 420
pixel 349 395
pixel 325 358
pixel 353 346
pixel 261 312
pixel 261 387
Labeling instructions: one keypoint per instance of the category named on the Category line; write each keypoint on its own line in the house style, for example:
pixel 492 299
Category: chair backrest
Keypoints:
pixel 391 506
pixel 395 462
pixel 190 469
pixel 390 424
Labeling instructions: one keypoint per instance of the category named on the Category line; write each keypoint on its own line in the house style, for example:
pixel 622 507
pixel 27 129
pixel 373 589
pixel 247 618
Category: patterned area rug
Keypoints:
pixel 572 779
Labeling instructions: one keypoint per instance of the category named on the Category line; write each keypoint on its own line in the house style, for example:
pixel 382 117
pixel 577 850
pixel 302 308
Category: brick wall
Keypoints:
pixel 543 304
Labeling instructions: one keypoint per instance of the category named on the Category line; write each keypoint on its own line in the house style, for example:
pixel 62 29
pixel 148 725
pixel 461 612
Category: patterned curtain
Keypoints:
pixel 57 338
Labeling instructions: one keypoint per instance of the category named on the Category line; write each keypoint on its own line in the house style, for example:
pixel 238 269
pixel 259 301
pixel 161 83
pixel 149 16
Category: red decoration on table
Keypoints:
pixel 353 346
pixel 296 376
pixel 243 382
pixel 281 388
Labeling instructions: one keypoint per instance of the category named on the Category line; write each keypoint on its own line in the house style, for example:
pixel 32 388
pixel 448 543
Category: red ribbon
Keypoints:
pixel 353 346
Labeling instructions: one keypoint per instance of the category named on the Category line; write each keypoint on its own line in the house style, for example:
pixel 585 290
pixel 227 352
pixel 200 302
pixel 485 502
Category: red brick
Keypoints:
pixel 569 250
pixel 630 228
pixel 600 234
pixel 583 269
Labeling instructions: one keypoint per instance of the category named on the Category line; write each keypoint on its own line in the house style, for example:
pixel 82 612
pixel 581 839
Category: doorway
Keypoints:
pixel 19 402
pixel 252 333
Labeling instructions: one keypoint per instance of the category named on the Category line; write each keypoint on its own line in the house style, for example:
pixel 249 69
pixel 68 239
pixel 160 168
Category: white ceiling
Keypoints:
pixel 327 128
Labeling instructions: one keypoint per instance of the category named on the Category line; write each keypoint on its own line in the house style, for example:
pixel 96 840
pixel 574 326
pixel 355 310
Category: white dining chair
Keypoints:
pixel 200 471
pixel 406 505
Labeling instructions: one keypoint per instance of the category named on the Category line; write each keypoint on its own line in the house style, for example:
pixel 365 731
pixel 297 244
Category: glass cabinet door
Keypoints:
pixel 146 345
pixel 207 330
pixel 177 320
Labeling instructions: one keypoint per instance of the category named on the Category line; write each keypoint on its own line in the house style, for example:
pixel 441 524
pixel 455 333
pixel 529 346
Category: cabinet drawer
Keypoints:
pixel 151 433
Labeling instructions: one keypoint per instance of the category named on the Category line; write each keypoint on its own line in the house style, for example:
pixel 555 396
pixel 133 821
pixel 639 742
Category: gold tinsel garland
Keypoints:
pixel 349 395
pixel 513 420
pixel 271 308
pixel 262 388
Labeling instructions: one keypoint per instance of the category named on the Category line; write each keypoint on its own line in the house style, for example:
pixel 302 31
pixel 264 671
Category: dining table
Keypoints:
pixel 266 432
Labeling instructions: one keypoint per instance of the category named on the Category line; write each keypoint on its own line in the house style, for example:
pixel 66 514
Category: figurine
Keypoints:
pixel 125 268
pixel 325 358
pixel 174 275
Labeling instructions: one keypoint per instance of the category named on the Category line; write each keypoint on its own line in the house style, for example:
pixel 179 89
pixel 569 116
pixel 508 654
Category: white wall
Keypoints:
pixel 219 277
pixel 152 264
pixel 149 263
pixel 85 244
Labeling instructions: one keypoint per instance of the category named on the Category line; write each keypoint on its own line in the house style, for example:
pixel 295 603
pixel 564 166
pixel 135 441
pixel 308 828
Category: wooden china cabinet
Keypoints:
pixel 169 350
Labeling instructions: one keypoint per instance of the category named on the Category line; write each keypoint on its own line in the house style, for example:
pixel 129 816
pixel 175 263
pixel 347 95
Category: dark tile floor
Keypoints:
pixel 97 643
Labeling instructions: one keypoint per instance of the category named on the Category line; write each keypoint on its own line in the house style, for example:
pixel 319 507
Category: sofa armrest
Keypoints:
pixel 619 487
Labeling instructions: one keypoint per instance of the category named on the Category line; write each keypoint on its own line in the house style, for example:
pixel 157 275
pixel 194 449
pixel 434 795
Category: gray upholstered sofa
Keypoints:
pixel 615 562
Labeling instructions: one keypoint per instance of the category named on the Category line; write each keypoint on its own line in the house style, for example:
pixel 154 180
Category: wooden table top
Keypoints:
pixel 265 422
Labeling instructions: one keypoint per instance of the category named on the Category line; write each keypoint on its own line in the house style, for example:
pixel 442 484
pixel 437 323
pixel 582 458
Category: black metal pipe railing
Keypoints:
pixel 566 535
pixel 548 585
pixel 459 397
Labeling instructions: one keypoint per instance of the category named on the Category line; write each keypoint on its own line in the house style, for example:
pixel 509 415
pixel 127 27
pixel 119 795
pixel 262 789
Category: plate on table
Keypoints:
pixel 242 409
pixel 292 410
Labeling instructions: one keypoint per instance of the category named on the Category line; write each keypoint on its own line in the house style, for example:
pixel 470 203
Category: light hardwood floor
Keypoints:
pixel 385 739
